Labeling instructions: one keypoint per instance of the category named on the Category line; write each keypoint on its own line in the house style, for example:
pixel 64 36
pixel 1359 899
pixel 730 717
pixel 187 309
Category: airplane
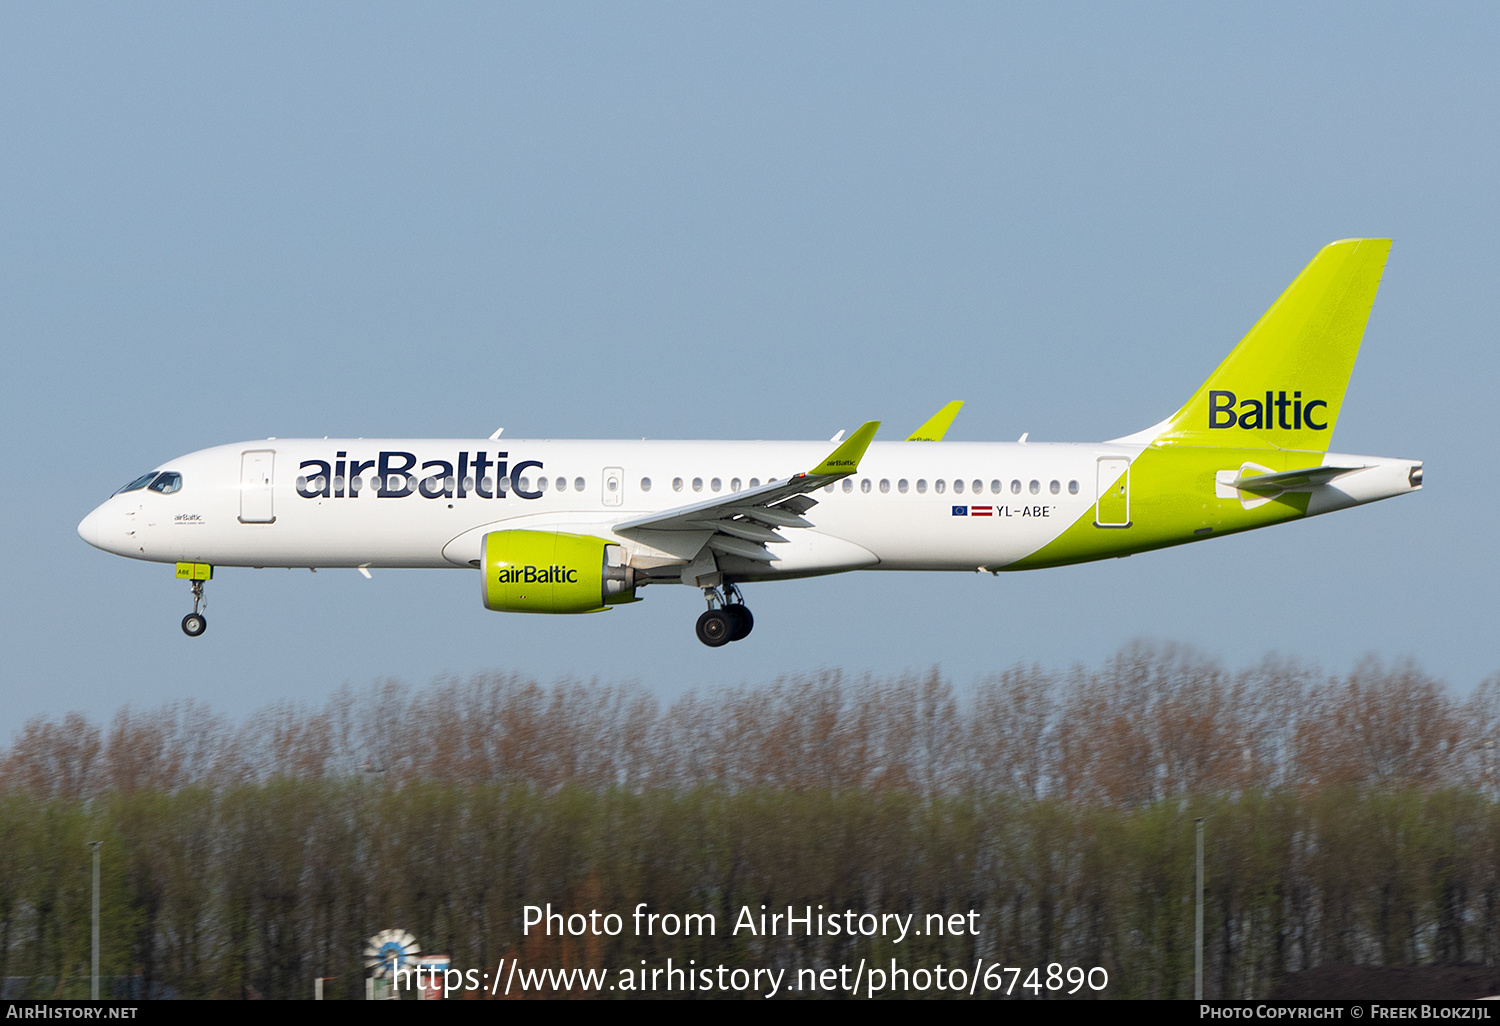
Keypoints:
pixel 583 526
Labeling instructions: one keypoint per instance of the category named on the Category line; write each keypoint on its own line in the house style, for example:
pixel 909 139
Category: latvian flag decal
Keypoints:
pixel 981 511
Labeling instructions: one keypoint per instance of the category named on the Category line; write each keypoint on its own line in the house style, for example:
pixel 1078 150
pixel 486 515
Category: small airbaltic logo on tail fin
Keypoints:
pixel 1277 411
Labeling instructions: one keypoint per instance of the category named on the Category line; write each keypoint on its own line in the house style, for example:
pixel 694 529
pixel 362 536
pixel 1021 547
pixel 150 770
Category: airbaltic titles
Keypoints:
pixel 439 479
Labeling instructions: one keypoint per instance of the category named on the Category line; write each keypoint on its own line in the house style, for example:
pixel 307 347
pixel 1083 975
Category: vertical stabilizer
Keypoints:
pixel 1283 385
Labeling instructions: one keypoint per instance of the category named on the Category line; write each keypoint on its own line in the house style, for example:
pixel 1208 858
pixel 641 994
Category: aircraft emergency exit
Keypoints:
pixel 582 526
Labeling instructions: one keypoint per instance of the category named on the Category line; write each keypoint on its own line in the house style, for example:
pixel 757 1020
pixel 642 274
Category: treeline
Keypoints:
pixel 1152 723
pixel 1348 819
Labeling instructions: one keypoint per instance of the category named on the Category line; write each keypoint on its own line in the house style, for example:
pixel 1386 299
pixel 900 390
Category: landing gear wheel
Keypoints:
pixel 714 628
pixel 741 623
pixel 195 623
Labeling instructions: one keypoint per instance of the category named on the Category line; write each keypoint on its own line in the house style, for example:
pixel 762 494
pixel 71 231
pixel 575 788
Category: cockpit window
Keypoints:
pixel 167 482
pixel 138 483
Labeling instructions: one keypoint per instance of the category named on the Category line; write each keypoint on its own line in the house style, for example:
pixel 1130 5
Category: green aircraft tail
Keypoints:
pixel 1283 385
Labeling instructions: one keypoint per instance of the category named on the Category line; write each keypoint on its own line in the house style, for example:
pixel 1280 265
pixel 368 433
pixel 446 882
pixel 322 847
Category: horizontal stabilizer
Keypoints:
pixel 1289 479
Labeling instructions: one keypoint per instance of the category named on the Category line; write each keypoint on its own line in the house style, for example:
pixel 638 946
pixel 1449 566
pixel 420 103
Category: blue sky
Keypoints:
pixel 225 222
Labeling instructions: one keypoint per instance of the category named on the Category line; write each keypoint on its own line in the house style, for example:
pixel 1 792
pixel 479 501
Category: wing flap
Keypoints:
pixel 773 516
pixel 797 504
pixel 739 547
pixel 746 529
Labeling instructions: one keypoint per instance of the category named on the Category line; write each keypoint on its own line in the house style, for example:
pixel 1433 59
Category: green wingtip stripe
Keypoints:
pixel 845 459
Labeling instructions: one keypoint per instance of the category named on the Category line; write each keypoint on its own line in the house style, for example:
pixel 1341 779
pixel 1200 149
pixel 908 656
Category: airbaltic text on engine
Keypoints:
pixel 531 575
pixel 553 572
pixel 394 477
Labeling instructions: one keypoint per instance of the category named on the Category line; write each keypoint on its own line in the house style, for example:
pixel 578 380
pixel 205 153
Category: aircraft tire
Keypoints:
pixel 741 622
pixel 194 624
pixel 715 628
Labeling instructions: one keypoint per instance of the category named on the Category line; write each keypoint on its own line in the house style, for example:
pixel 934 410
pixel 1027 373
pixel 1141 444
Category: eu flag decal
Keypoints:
pixel 960 511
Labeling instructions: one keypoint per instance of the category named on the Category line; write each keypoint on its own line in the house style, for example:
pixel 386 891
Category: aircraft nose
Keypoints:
pixel 89 527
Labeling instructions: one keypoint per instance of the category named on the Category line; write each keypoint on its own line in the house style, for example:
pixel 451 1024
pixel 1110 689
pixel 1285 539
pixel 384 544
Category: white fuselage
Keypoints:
pixel 272 503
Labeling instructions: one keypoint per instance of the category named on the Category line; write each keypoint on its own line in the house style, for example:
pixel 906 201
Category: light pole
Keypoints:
pixel 1198 920
pixel 94 987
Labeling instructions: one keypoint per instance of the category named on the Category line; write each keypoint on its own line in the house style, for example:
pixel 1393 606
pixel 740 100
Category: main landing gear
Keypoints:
pixel 727 619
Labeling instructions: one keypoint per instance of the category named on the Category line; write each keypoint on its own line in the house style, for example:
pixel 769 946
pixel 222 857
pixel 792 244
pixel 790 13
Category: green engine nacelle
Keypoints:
pixel 551 572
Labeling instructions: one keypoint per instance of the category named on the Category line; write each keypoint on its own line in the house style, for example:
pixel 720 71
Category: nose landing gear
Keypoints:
pixel 727 619
pixel 195 623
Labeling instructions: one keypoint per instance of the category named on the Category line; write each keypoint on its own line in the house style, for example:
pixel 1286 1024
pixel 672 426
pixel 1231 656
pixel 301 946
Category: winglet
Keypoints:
pixel 937 425
pixel 845 459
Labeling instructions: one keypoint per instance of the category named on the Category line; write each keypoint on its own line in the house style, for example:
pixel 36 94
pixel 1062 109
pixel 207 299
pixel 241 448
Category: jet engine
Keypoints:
pixel 553 572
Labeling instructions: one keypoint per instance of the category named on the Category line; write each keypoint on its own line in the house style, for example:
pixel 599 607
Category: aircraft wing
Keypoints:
pixel 744 523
